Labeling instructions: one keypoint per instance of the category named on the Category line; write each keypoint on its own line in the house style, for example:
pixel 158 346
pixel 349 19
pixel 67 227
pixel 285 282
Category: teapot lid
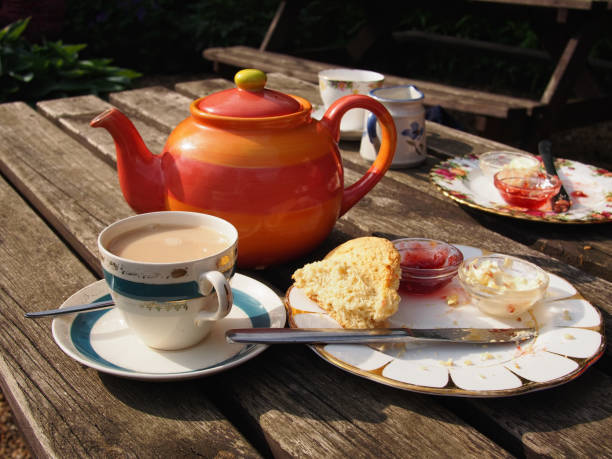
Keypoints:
pixel 250 99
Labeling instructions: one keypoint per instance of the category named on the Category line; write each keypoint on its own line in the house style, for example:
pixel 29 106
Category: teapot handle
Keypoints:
pixel 331 119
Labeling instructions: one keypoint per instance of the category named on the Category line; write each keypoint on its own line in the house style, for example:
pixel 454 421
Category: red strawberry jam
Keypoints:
pixel 527 190
pixel 426 265
pixel 425 258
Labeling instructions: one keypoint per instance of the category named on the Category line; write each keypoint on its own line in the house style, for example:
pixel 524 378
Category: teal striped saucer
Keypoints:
pixel 101 339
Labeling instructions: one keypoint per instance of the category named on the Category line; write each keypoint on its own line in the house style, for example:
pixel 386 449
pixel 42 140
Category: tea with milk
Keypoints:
pixel 165 243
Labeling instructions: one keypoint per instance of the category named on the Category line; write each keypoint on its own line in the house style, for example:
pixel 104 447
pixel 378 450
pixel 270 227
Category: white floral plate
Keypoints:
pixel 570 338
pixel 101 340
pixel 590 187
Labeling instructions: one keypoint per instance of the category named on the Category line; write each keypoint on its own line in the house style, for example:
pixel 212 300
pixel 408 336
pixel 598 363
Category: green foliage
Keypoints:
pixel 32 72
pixel 168 36
pixel 165 36
pixel 322 23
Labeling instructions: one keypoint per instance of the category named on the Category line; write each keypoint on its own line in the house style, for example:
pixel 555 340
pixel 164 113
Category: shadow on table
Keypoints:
pixel 289 387
pixel 550 237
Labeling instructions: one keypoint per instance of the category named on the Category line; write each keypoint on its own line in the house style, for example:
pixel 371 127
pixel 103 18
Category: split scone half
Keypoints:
pixel 356 283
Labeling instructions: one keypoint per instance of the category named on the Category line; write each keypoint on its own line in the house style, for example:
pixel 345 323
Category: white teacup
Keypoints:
pixel 171 305
pixel 405 104
pixel 337 83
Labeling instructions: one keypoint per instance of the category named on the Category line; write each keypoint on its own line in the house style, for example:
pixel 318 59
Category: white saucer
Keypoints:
pixel 101 340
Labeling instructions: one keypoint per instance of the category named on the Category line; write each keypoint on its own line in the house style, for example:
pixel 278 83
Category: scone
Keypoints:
pixel 356 283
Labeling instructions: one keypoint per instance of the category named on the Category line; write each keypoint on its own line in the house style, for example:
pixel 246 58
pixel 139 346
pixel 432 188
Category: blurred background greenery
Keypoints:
pixel 163 37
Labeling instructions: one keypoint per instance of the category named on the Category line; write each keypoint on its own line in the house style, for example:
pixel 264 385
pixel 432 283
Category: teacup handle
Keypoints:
pixel 331 119
pixel 224 295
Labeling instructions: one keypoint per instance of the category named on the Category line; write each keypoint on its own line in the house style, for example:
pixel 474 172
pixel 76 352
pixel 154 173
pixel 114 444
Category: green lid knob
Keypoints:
pixel 250 80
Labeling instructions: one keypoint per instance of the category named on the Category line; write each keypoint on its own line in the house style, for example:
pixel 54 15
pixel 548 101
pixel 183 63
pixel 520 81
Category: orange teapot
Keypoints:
pixel 254 157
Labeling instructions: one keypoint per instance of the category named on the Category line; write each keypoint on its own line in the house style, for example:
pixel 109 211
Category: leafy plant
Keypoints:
pixel 32 72
pixel 166 36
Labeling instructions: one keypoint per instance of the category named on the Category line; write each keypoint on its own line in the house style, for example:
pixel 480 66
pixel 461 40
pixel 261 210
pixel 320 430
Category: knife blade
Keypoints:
pixel 377 335
pixel 561 202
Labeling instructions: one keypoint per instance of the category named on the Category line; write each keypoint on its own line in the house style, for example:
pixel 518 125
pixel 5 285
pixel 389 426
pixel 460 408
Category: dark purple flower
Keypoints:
pixel 414 132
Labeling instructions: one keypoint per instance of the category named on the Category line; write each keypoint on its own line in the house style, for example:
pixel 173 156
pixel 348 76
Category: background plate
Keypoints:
pixel 590 188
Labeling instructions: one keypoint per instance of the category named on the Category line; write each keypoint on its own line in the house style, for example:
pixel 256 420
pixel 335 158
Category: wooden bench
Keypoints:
pixel 491 111
pixel 567 29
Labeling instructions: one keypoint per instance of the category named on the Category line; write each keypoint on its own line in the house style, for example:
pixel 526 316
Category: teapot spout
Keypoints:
pixel 140 172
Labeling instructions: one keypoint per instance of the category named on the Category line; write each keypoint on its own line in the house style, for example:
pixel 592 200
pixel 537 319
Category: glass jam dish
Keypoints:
pixel 492 162
pixel 529 190
pixel 502 285
pixel 426 264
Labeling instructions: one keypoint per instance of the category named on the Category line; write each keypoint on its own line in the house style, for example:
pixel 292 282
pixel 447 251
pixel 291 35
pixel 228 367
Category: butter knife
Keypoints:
pixel 377 335
pixel 561 202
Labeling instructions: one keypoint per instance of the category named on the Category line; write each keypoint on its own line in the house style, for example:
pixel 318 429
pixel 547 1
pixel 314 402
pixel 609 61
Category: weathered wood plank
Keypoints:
pixel 407 212
pixel 73 114
pixel 49 168
pixel 307 414
pixel 566 409
pixel 455 98
pixel 368 420
pixel 278 81
pixel 574 4
pixel 564 242
pixel 387 209
pixel 160 107
pixel 200 88
pixel 62 407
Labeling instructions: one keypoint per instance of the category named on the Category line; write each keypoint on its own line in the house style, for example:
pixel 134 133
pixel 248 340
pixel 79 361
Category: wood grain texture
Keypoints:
pixel 294 392
pixel 74 114
pixel 275 400
pixel 276 81
pixel 588 247
pixel 71 188
pixel 64 408
pixel 573 4
pixel 455 98
pixel 422 216
pixel 159 106
pixel 200 88
pixel 569 423
pixel 567 243
pixel 180 400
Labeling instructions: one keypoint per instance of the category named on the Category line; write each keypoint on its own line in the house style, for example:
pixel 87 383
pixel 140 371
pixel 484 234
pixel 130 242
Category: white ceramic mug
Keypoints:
pixel 405 103
pixel 337 83
pixel 170 306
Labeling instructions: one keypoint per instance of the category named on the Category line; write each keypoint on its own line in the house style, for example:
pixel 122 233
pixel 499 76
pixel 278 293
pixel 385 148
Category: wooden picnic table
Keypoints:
pixel 567 30
pixel 59 188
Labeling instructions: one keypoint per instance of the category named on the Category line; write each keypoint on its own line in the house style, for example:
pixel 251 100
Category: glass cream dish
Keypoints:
pixel 492 162
pixel 502 285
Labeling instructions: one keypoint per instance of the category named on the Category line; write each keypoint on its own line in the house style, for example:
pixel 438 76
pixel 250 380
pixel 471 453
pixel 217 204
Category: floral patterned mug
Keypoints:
pixel 405 103
pixel 337 83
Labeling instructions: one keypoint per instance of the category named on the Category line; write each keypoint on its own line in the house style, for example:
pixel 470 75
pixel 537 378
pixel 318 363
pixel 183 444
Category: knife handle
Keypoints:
pixel 545 149
pixel 315 336
pixel 561 202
